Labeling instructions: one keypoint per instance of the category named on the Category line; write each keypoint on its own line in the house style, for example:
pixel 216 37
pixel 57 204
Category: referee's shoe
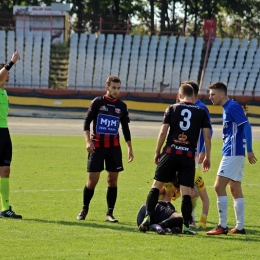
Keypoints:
pixel 9 214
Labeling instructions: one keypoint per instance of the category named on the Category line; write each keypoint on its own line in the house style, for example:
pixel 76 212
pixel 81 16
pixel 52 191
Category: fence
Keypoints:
pixel 108 24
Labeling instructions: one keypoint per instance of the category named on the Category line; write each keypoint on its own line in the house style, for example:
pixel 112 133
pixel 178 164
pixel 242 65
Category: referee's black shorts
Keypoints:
pixel 5 147
pixel 111 157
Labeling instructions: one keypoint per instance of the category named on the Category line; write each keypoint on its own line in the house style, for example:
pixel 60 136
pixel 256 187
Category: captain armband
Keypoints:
pixel 9 65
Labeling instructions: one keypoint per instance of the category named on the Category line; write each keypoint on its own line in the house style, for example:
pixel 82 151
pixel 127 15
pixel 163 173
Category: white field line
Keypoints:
pixel 71 190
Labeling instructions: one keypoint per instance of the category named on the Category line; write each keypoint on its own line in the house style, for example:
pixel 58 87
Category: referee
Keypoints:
pixel 5 141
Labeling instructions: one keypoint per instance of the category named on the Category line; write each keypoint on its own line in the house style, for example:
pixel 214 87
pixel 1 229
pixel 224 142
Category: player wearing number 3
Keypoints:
pixel 184 121
pixel 106 112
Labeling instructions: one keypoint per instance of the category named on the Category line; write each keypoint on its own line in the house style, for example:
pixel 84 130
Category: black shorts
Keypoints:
pixel 112 157
pixel 162 211
pixel 172 161
pixel 5 147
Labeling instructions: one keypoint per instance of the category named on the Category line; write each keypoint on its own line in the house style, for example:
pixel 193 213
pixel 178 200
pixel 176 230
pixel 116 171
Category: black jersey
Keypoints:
pixel 107 114
pixel 185 120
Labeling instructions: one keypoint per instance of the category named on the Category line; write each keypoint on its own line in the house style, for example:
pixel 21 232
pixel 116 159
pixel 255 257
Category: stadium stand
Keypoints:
pixel 149 75
pixel 3 43
pixel 186 65
pixel 211 63
pixel 27 61
pixel 177 65
pixel 142 62
pixel 159 65
pixel 249 87
pixel 81 62
pixel 99 62
pixel 116 55
pixel 123 70
pixel 232 54
pixel 107 58
pixel 170 53
pixel 16 75
pixel 73 61
pixel 197 54
pixel 234 63
pixel 45 61
pixel 37 42
pixel 90 58
pixel 132 72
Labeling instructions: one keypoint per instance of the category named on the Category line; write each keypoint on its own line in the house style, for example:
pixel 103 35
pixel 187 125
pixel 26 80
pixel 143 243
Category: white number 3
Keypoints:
pixel 185 124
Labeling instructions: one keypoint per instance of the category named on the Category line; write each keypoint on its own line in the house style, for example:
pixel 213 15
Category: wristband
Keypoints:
pixel 9 65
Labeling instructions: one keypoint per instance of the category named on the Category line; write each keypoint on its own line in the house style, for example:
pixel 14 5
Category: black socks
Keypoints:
pixel 186 209
pixel 151 200
pixel 87 196
pixel 111 199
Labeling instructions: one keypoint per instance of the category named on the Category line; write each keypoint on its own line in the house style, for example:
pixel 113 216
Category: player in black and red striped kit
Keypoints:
pixel 184 121
pixel 107 113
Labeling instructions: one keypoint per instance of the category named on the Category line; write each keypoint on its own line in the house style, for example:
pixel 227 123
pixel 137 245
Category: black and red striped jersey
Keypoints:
pixel 106 115
pixel 185 120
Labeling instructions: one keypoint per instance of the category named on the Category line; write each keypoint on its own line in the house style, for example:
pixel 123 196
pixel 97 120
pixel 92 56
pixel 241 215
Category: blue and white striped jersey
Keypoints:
pixel 234 141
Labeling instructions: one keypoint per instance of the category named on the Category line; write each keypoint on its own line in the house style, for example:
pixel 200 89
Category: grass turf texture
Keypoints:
pixel 47 179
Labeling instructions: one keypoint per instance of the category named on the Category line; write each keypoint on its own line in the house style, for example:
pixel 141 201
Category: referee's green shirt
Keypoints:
pixel 4 108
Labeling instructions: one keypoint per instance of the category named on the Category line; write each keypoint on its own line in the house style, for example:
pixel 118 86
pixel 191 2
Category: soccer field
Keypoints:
pixel 47 179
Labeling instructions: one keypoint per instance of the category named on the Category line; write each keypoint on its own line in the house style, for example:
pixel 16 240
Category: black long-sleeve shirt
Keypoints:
pixel 106 115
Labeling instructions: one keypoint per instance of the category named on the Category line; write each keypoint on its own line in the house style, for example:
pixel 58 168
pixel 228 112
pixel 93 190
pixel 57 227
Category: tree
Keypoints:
pixel 152 16
pixel 78 7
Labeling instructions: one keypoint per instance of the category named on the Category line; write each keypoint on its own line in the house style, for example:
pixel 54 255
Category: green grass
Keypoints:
pixel 47 179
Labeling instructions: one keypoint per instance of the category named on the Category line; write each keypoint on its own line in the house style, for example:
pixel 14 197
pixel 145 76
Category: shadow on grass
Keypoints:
pixel 252 235
pixel 251 231
pixel 107 225
pixel 248 226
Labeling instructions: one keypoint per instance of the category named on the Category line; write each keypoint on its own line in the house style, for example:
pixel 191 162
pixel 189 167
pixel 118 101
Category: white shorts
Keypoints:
pixel 232 167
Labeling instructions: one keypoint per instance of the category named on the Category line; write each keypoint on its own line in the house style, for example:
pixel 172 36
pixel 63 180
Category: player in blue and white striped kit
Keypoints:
pixel 237 136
